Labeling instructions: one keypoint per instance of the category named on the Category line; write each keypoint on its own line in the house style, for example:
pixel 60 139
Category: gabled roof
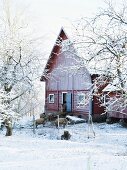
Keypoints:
pixel 59 44
pixel 55 51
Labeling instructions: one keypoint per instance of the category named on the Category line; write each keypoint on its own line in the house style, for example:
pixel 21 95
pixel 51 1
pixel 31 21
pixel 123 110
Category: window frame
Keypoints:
pixel 82 102
pixel 53 98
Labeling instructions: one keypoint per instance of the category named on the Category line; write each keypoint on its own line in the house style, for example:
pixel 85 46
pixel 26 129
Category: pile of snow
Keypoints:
pixel 24 122
pixel 74 119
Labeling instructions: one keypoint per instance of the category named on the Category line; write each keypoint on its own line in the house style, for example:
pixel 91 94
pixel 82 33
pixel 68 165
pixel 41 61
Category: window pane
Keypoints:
pixel 51 98
pixel 81 99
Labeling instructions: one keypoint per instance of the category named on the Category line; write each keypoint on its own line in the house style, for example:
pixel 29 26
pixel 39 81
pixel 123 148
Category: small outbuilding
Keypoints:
pixel 116 103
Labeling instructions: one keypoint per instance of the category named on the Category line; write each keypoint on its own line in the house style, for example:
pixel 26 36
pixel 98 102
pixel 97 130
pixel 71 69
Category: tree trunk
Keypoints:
pixel 9 131
pixel 8 125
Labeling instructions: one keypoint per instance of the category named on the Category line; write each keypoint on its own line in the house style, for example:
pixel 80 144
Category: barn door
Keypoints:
pixel 69 102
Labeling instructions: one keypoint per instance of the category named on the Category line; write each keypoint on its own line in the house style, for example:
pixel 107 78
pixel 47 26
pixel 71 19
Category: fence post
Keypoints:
pixel 58 122
pixel 58 125
pixel 34 124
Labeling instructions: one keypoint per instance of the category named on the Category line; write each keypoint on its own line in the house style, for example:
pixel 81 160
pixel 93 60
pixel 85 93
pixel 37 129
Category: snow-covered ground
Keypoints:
pixel 45 151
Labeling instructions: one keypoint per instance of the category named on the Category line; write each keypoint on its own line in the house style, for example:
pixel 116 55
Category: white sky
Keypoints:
pixel 46 17
pixel 50 15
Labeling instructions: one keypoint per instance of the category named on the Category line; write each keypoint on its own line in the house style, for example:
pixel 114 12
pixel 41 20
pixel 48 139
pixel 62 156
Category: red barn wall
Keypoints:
pixel 62 79
pixel 51 106
pixel 97 108
pixel 116 114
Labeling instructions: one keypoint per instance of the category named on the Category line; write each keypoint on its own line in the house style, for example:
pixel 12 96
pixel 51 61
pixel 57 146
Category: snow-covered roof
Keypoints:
pixel 62 41
pixel 116 85
pixel 110 88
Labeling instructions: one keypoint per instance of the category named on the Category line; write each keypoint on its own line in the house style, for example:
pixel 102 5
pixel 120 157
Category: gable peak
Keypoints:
pixel 62 35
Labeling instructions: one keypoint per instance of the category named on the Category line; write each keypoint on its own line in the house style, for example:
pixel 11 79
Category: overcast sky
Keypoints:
pixel 46 17
pixel 50 15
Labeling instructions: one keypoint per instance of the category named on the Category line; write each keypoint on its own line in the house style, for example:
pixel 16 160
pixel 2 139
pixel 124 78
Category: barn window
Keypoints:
pixel 81 99
pixel 51 98
pixel 105 99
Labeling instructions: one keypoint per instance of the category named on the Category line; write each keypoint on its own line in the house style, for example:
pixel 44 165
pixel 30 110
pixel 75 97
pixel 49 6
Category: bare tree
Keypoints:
pixel 103 42
pixel 19 64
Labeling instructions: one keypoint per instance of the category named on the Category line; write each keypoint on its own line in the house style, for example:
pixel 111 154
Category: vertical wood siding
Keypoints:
pixel 97 108
pixel 51 106
pixel 66 74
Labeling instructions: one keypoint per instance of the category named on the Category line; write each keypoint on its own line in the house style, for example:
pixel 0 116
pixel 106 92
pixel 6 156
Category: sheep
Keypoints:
pixel 62 121
pixel 42 115
pixel 39 121
pixel 66 136
pixel 52 117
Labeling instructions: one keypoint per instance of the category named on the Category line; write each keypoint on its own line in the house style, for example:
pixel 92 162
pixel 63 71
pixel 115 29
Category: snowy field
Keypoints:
pixel 45 151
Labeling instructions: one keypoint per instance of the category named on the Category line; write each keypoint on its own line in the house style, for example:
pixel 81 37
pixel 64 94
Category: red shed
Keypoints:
pixel 68 81
pixel 118 110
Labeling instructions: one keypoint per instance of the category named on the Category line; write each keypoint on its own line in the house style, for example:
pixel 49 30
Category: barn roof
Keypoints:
pixel 57 46
pixel 62 36
pixel 115 86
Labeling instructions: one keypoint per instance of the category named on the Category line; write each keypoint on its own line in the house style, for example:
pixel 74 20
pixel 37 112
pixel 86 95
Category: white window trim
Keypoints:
pixel 53 98
pixel 83 102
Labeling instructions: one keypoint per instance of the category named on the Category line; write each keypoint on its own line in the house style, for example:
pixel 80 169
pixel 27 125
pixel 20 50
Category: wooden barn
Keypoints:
pixel 68 82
